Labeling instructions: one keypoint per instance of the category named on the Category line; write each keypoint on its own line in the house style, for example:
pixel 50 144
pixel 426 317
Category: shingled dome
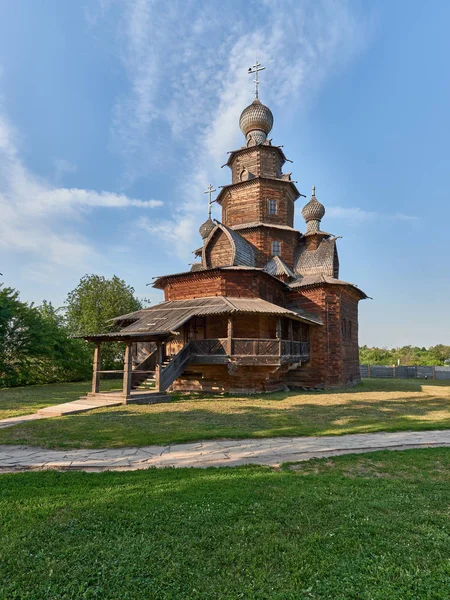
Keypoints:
pixel 313 210
pixel 256 121
pixel 206 228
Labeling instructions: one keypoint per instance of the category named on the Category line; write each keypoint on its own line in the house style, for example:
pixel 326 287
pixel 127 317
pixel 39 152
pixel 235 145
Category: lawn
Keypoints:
pixel 375 405
pixel 366 527
pixel 18 401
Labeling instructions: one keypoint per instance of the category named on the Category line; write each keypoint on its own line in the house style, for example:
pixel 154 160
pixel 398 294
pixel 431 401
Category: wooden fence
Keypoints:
pixel 404 372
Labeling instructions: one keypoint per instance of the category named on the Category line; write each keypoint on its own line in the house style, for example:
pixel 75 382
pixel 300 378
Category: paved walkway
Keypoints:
pixel 224 453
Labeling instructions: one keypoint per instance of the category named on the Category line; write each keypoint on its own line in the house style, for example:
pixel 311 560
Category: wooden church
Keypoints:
pixel 263 308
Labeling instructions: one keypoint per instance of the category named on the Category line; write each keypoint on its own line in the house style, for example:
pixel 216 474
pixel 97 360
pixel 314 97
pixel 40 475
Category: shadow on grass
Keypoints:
pixel 122 427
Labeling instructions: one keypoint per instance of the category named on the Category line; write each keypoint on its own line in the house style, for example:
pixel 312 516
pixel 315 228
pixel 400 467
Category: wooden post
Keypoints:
pixel 159 359
pixel 230 335
pixel 278 333
pixel 291 337
pixel 127 365
pixel 96 366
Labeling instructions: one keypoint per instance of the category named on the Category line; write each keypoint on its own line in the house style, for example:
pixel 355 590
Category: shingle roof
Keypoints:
pixel 278 268
pixel 160 280
pixel 323 261
pixel 169 316
pixel 251 181
pixel 314 280
pixel 259 224
pixel 243 253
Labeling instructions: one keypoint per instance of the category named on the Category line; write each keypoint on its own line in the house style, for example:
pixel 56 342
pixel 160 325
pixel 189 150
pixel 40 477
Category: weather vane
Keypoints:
pixel 210 189
pixel 255 69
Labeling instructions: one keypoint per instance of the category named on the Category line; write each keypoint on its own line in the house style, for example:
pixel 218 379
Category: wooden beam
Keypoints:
pixel 230 331
pixel 291 337
pixel 127 369
pixel 159 359
pixel 96 367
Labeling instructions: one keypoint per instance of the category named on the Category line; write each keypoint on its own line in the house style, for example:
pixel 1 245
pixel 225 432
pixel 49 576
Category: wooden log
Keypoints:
pixel 127 370
pixel 96 366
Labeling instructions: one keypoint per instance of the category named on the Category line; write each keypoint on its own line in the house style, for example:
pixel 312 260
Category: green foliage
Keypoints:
pixel 361 527
pixel 35 346
pixel 92 306
pixel 407 355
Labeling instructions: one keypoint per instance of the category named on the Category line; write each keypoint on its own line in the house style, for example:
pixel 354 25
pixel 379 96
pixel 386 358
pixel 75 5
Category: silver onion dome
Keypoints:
pixel 313 212
pixel 206 228
pixel 256 121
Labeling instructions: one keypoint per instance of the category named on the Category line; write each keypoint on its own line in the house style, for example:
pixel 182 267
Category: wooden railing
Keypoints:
pixel 249 347
pixel 210 347
pixel 174 369
pixel 255 347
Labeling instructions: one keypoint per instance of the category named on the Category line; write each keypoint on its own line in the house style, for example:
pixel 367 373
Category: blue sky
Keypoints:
pixel 115 116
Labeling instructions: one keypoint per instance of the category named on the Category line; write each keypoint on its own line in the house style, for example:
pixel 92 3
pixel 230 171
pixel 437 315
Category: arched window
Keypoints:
pixel 244 175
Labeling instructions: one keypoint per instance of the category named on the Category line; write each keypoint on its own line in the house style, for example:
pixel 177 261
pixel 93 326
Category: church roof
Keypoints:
pixel 243 253
pixel 260 224
pixel 322 261
pixel 315 280
pixel 278 268
pixel 161 280
pixel 249 149
pixel 171 315
pixel 224 188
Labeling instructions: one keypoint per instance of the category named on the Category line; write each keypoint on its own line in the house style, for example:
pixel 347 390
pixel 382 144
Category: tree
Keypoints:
pixel 35 346
pixel 92 305
pixel 21 340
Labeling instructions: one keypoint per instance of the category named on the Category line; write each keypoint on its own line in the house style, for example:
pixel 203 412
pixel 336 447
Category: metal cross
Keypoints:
pixel 210 189
pixel 255 69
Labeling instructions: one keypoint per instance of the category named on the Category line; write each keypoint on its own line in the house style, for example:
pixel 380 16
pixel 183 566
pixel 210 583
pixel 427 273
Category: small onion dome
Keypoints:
pixel 256 121
pixel 206 228
pixel 313 212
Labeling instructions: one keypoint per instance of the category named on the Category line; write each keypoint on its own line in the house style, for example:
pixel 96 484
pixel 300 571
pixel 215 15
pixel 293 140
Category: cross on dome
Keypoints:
pixel 209 190
pixel 256 68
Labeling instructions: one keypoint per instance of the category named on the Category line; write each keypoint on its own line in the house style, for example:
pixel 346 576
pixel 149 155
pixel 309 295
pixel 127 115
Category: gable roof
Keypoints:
pixel 317 280
pixel 242 252
pixel 278 268
pixel 323 261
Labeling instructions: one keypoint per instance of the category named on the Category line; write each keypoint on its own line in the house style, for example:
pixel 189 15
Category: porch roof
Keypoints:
pixel 169 316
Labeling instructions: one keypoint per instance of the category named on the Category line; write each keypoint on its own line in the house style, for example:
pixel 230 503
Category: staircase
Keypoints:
pixel 144 380
pixel 173 368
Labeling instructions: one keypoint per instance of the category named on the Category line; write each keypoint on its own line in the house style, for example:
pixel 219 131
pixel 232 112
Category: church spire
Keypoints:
pixel 256 120
pixel 256 68
pixel 208 225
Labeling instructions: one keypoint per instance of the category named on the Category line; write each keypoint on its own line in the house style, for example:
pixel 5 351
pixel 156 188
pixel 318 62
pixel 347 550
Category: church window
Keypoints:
pixel 272 207
pixel 344 328
pixel 244 176
pixel 276 248
pixel 349 330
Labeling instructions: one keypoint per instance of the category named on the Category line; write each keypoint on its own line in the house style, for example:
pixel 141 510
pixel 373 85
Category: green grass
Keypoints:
pixel 365 527
pixel 18 401
pixel 375 405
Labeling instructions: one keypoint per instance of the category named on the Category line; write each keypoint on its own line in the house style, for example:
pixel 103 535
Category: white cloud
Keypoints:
pixel 356 214
pixel 186 64
pixel 38 218
pixel 62 167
